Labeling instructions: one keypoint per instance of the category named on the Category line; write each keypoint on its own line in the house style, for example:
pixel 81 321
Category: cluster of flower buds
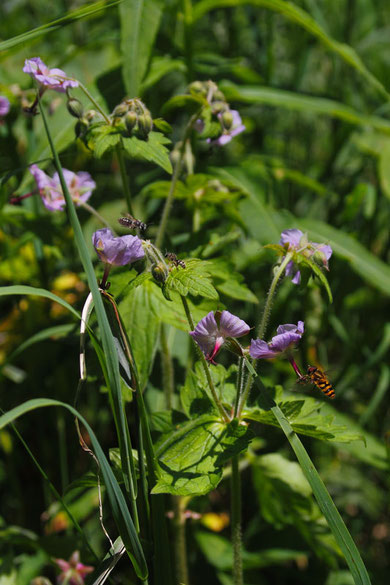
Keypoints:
pixel 133 117
pixel 229 121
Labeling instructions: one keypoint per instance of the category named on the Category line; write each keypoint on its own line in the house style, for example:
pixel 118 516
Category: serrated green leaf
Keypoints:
pixel 151 150
pixel 194 279
pixel 191 458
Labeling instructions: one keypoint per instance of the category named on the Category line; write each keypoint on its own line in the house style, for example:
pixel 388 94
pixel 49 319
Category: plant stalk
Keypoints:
pixel 263 323
pixel 236 521
pixel 213 391
pixel 124 176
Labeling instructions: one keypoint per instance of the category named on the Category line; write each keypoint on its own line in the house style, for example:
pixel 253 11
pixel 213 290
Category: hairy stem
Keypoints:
pixel 236 521
pixel 175 176
pixel 179 522
pixel 124 176
pixel 94 102
pixel 240 384
pixel 93 211
pixel 204 363
pixel 263 323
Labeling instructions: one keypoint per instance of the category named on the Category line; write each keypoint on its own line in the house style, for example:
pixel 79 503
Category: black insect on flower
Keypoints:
pixel 132 223
pixel 175 260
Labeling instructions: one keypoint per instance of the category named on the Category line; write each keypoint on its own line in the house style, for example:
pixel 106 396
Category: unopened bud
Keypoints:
pixel 120 110
pixel 227 119
pixel 159 272
pixel 89 116
pixel 119 123
pixel 81 126
pixel 130 121
pixel 75 108
pixel 218 95
pixel 218 107
pixel 197 87
pixel 144 125
pixel 320 258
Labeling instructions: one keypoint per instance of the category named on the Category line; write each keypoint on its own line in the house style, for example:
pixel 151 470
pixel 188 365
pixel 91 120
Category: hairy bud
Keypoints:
pixel 75 108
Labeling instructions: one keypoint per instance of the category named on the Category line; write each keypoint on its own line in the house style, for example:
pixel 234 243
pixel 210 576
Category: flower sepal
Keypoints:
pixel 233 346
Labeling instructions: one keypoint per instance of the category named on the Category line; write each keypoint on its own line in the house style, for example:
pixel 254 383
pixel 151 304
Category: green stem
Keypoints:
pixel 94 102
pixel 204 363
pixel 179 522
pixel 124 176
pixel 236 521
pixel 240 384
pixel 263 323
pixel 93 211
pixel 175 176
pixel 167 368
pixel 270 295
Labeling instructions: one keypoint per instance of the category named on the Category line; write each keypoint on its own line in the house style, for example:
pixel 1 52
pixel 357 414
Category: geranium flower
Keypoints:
pixel 236 128
pixel 117 251
pixel 80 187
pixel 295 240
pixel 287 336
pixel 72 571
pixel 48 78
pixel 211 331
pixel 4 106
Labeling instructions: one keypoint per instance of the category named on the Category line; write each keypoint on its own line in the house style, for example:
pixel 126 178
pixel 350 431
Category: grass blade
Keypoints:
pixel 118 505
pixel 325 502
pixel 303 19
pixel 20 289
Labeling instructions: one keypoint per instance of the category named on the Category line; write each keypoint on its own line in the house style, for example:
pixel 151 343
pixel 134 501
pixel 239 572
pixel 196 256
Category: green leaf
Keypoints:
pixel 39 292
pixel 368 266
pixel 303 103
pixel 117 501
pixel 151 150
pixel 320 275
pixel 142 324
pixel 303 19
pixel 189 102
pixel 70 18
pixel 194 279
pixel 219 552
pixel 304 417
pixel 192 457
pixel 384 169
pixel 325 502
pixel 160 67
pixel 104 138
pixel 140 20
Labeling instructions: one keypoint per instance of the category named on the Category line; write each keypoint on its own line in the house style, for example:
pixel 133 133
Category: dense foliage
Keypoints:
pixel 132 451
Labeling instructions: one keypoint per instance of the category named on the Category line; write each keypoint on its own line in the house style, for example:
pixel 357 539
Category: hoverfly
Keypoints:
pixel 175 260
pixel 319 379
pixel 132 223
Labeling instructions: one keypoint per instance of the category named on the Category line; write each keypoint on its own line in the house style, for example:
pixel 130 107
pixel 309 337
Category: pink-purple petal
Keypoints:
pixel 117 251
pixel 291 237
pixel 4 106
pixel 232 326
pixel 259 350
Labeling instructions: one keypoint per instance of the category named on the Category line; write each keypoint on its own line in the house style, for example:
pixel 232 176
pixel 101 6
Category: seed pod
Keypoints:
pixel 75 108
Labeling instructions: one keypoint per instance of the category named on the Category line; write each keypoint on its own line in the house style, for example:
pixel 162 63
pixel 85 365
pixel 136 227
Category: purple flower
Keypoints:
pixel 72 571
pixel 295 240
pixel 80 186
pixel 287 336
pixel 118 251
pixel 48 78
pixel 211 331
pixel 4 106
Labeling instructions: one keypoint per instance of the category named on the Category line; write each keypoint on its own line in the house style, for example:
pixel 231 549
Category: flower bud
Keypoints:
pixel 218 107
pixel 197 87
pixel 159 272
pixel 227 119
pixel 120 110
pixel 145 124
pixel 75 108
pixel 218 95
pixel 130 121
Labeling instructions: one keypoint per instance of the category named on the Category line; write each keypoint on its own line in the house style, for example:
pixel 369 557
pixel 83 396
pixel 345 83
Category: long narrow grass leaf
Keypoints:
pixel 20 289
pixel 117 501
pixel 303 19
